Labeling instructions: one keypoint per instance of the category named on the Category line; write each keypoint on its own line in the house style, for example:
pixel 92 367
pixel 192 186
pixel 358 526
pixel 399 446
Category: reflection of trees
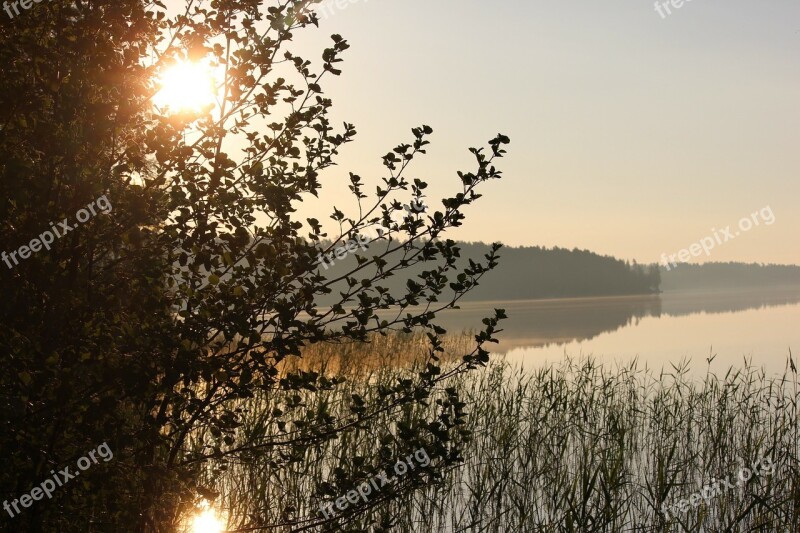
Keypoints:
pixel 680 304
pixel 556 322
pixel 532 323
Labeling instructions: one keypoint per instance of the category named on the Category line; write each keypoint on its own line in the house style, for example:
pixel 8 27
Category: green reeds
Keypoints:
pixel 580 446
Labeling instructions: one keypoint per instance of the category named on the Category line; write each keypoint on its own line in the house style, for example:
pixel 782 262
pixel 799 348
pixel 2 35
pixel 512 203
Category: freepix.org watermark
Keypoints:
pixel 49 485
pixel 417 207
pixel 706 244
pixel 16 4
pixel 55 232
pixel 717 487
pixel 401 468
pixel 328 8
pixel 663 8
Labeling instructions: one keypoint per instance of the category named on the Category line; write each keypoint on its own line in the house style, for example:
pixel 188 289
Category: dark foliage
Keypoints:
pixel 154 321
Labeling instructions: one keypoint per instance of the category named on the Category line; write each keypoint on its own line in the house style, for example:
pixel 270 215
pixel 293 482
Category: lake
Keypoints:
pixel 761 325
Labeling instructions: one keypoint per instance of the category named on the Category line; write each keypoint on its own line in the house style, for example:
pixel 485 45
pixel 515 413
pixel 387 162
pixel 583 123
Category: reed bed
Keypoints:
pixel 576 447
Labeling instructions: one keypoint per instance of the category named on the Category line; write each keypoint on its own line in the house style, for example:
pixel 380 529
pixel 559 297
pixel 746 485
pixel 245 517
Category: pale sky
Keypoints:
pixel 632 134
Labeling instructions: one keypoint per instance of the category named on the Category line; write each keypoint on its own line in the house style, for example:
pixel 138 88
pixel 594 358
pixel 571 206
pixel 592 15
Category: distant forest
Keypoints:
pixel 536 272
pixel 728 276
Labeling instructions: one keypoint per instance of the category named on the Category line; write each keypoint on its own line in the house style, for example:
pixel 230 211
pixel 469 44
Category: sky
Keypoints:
pixel 632 134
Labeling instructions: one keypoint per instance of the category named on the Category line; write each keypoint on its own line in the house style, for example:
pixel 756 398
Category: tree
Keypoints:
pixel 154 319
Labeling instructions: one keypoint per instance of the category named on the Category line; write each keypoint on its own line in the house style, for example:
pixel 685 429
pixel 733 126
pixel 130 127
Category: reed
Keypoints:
pixel 580 446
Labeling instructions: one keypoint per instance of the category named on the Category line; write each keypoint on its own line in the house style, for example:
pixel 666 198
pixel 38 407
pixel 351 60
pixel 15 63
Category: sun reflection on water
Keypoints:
pixel 207 521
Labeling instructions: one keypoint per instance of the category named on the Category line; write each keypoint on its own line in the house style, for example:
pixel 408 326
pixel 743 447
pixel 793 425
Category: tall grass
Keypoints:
pixel 585 447
pixel 580 446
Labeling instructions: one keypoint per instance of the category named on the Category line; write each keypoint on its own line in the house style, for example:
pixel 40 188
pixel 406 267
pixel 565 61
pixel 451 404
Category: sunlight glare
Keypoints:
pixel 187 86
pixel 207 522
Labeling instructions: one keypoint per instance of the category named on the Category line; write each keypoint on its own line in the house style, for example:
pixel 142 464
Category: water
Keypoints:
pixel 760 325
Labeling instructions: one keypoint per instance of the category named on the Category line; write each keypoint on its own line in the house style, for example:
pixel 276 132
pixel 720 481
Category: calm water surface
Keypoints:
pixel 760 325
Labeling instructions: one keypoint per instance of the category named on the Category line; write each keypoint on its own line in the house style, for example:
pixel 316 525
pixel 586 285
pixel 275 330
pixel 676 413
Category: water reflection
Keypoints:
pixel 548 323
pixel 691 302
pixel 205 520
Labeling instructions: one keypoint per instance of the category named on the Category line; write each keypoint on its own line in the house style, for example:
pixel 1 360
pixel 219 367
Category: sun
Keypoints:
pixel 207 521
pixel 187 86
